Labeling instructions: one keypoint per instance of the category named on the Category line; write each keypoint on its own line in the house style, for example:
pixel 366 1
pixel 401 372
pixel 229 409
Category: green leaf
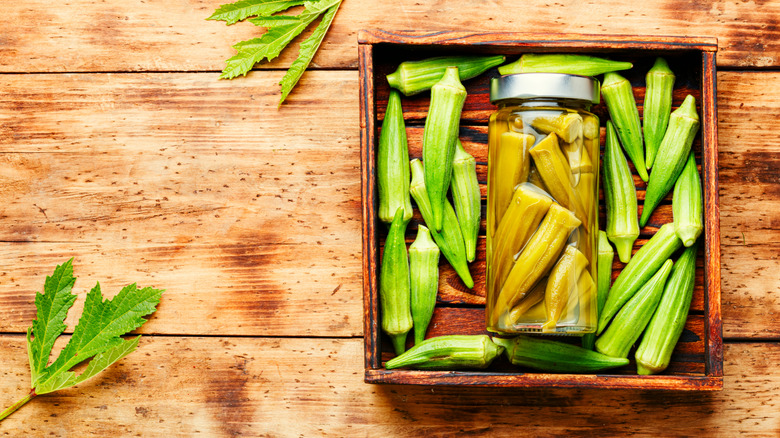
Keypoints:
pixel 306 53
pixel 275 21
pixel 235 12
pixel 97 333
pixel 271 43
pixel 52 308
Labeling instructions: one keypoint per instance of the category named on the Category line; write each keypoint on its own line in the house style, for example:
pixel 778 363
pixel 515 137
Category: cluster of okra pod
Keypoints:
pixel 651 296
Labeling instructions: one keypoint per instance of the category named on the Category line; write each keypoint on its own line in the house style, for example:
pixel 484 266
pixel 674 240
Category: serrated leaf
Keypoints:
pixel 52 308
pixel 99 363
pixel 306 53
pixel 235 12
pixel 271 43
pixel 98 331
pixel 275 21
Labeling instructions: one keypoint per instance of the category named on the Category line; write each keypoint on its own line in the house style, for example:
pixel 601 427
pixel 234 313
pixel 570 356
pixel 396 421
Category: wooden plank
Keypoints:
pixel 171 35
pixel 114 127
pixel 225 387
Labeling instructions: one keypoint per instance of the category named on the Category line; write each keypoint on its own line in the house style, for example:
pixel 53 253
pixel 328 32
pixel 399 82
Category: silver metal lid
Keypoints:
pixel 537 85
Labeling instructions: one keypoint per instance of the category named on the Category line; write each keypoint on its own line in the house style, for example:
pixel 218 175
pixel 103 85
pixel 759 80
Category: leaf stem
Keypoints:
pixel 11 409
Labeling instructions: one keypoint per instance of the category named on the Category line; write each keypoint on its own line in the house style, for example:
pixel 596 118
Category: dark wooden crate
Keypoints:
pixel 697 363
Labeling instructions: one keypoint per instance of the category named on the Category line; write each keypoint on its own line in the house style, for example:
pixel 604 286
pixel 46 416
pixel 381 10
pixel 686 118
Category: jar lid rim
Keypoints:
pixel 539 85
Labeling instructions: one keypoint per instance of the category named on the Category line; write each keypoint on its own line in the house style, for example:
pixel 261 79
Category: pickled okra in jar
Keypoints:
pixel 542 213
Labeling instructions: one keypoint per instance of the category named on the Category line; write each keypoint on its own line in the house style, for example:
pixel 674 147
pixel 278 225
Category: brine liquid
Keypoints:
pixel 551 289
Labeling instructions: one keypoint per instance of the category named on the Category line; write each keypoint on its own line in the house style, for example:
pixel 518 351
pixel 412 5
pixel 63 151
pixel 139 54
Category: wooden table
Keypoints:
pixel 122 149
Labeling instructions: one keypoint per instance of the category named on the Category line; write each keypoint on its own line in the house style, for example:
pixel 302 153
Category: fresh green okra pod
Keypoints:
pixel 392 163
pixel 642 266
pixel 547 355
pixel 619 197
pixel 687 204
pixel 450 239
pixel 631 320
pixel 394 288
pixel 657 107
pixel 467 198
pixel 449 352
pixel 439 135
pixel 583 65
pixel 412 77
pixel 672 155
pixel 666 326
pixel 622 109
pixel 424 275
pixel 605 258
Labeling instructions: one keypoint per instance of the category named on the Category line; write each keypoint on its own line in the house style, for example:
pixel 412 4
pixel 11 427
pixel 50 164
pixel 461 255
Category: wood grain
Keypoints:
pixel 172 35
pixel 224 387
pixel 113 127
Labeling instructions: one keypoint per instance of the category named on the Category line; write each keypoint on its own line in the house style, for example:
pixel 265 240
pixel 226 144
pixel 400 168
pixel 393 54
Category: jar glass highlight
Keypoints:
pixel 542 213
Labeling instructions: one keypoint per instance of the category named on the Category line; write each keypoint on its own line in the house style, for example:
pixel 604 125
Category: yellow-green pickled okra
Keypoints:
pixel 631 320
pixel 536 259
pixel 666 326
pixel 556 174
pixel 621 105
pixel 466 197
pixel 583 65
pixel 449 352
pixel 424 280
pixel 672 155
pixel 412 77
pixel 526 210
pixel 687 204
pixel 547 355
pixel 394 288
pixel 657 107
pixel 567 126
pixel 450 239
pixel 619 197
pixel 439 136
pixel 638 271
pixel 392 163
pixel 510 168
pixel 561 284
pixel 524 310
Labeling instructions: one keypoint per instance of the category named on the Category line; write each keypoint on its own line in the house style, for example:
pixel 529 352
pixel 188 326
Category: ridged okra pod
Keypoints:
pixel 450 239
pixel 412 77
pixel 622 109
pixel 547 355
pixel 530 303
pixel 522 218
pixel 631 320
pixel 672 155
pixel 567 126
pixel 687 204
pixel 583 65
pixel 467 197
pixel 439 135
pixel 642 266
pixel 449 352
pixel 556 174
pixel 561 284
pixel 424 280
pixel 394 288
pixel 604 263
pixel 657 107
pixel 392 163
pixel 510 168
pixel 539 255
pixel 666 326
pixel 619 197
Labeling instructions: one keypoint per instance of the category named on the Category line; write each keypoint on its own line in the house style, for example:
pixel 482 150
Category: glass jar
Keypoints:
pixel 542 217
